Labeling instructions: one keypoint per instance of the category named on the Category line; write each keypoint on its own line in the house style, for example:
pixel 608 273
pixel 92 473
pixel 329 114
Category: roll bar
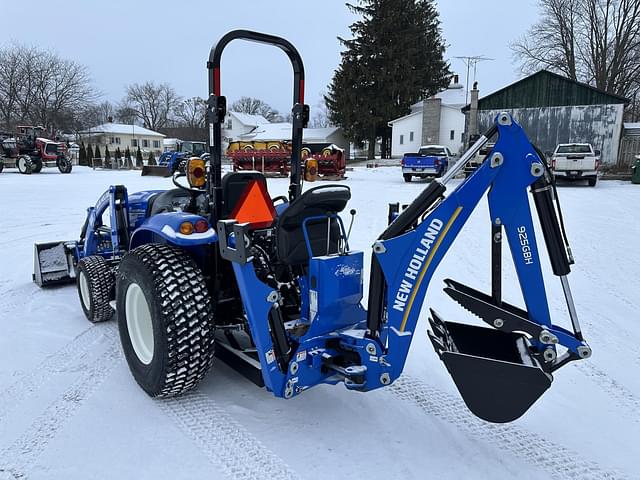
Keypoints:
pixel 217 110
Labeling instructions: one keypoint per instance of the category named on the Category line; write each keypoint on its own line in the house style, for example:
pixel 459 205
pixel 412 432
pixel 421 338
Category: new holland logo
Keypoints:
pixel 412 273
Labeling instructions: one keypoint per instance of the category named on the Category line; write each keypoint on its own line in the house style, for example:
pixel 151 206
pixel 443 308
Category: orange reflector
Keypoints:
pixel 186 228
pixel 255 207
pixel 196 172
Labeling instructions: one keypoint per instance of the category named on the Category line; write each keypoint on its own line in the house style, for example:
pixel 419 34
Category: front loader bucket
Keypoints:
pixel 53 263
pixel 494 371
pixel 156 171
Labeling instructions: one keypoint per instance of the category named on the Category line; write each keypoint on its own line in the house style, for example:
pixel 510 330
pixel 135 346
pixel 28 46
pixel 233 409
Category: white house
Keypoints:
pixel 282 131
pixel 435 120
pixel 121 135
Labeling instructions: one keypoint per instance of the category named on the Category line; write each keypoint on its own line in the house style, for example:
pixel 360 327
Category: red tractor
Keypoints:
pixel 29 150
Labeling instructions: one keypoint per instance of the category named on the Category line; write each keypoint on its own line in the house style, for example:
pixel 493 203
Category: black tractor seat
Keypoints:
pixel 170 201
pixel 318 201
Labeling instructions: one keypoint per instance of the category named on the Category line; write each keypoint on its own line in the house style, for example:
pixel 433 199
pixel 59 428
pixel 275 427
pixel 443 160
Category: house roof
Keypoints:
pixel 122 129
pixel 282 131
pixel 546 89
pixel 453 96
pixel 249 119
pixel 632 128
pixel 419 112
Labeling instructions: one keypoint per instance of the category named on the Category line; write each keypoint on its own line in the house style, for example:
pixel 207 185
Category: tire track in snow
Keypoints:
pixel 560 462
pixel 617 391
pixel 19 458
pixel 223 440
pixel 61 361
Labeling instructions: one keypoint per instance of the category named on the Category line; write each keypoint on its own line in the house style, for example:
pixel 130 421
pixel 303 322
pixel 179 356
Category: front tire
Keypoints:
pixel 64 164
pixel 96 282
pixel 37 165
pixel 165 319
pixel 24 164
pixel 407 177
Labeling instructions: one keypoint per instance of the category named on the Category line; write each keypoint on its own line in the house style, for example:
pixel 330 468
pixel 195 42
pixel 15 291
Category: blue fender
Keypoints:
pixel 165 228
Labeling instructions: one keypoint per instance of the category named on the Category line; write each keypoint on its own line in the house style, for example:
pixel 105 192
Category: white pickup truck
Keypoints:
pixel 576 161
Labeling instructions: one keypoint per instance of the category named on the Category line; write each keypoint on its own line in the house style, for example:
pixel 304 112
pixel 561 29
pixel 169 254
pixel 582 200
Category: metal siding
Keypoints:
pixel 547 127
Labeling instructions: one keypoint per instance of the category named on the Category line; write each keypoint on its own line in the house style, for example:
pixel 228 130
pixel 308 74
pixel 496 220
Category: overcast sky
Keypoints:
pixel 123 42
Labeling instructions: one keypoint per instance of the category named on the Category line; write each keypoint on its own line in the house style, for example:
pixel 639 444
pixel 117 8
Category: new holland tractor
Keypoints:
pixel 272 287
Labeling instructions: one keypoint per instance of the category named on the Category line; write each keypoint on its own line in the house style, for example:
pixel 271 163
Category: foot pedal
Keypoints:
pixel 495 372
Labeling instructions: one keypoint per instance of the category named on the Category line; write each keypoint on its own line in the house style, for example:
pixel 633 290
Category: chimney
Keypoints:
pixel 473 111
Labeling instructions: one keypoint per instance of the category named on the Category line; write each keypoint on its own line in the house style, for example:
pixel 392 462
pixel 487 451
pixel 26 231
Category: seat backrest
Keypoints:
pixel 318 201
pixel 234 185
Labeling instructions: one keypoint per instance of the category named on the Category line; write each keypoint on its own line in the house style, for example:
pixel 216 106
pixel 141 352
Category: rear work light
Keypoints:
pixel 196 172
pixel 201 226
pixel 186 228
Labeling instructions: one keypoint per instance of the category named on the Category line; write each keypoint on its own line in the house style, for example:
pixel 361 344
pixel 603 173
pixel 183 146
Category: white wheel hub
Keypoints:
pixel 139 323
pixel 84 290
pixel 22 164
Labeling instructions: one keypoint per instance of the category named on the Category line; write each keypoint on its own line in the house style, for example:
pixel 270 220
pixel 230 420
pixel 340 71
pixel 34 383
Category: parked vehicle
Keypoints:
pixel 477 159
pixel 172 160
pixel 576 161
pixel 275 286
pixel 29 150
pixel 429 161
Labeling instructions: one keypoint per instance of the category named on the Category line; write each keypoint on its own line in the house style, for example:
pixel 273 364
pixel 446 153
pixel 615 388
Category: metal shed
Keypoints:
pixel 554 109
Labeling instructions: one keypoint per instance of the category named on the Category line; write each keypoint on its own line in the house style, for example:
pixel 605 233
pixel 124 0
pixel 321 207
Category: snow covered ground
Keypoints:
pixel 69 409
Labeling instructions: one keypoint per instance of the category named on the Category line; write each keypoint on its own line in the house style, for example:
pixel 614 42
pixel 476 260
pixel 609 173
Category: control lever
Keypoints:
pixel 352 212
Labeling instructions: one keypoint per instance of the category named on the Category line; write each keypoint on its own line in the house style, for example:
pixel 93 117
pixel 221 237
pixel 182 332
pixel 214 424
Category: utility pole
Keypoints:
pixel 472 61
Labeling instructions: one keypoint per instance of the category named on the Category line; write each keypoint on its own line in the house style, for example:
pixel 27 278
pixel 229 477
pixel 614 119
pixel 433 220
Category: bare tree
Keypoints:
pixel 255 106
pixel 320 114
pixel 594 41
pixel 40 87
pixel 153 104
pixel 191 112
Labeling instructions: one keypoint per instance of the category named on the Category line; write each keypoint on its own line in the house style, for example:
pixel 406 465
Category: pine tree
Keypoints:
pixel 139 158
pixel 127 158
pixel 82 155
pixel 394 60
pixel 151 160
pixel 107 155
pixel 97 153
pixel 118 157
pixel 90 155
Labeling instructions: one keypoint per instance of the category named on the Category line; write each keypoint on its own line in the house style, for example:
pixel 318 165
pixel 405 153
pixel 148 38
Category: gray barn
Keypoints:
pixel 553 109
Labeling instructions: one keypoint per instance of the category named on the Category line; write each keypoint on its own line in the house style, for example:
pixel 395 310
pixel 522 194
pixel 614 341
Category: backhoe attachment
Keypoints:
pixel 502 369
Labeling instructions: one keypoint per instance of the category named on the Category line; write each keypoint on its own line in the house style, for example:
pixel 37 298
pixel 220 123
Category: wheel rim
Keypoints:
pixel 84 291
pixel 139 323
pixel 22 164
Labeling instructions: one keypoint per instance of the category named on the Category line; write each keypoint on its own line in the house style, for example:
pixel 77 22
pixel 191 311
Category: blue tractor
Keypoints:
pixel 272 287
pixel 172 160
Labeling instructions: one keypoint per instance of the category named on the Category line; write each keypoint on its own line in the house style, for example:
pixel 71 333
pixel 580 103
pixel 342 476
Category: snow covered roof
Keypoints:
pixel 282 131
pixel 248 119
pixel 453 96
pixel 406 116
pixel 632 128
pixel 122 129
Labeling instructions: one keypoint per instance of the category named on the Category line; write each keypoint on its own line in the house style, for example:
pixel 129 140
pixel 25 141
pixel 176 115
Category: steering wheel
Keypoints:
pixel 177 174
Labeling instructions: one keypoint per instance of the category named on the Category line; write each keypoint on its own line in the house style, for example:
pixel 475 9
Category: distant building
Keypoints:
pixel 554 109
pixel 435 120
pixel 119 135
pixel 281 131
pixel 629 145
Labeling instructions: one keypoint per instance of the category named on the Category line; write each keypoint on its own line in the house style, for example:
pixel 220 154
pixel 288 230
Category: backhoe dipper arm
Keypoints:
pixel 408 253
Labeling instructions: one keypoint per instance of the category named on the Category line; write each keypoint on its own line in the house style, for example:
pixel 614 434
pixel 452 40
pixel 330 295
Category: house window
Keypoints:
pixel 411 136
pixel 229 124
pixel 145 143
pixel 134 142
pixel 156 144
pixel 112 140
pixel 117 140
pixel 401 139
pixel 452 134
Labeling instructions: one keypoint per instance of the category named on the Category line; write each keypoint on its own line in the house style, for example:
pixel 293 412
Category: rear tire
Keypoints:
pixel 24 164
pixel 592 182
pixel 165 319
pixel 1 166
pixel 64 164
pixel 407 177
pixel 95 281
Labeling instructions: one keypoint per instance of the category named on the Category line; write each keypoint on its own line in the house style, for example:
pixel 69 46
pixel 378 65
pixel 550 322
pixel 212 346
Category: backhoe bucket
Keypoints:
pixel 156 171
pixel 494 371
pixel 53 263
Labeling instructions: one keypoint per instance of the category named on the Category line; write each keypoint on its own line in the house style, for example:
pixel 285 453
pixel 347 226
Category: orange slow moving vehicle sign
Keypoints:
pixel 255 207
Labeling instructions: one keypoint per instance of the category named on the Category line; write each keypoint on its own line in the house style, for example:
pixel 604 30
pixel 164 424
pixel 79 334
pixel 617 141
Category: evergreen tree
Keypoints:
pixel 107 155
pixel 118 157
pixel 97 153
pixel 151 160
pixel 394 60
pixel 82 155
pixel 90 155
pixel 139 158
pixel 127 158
